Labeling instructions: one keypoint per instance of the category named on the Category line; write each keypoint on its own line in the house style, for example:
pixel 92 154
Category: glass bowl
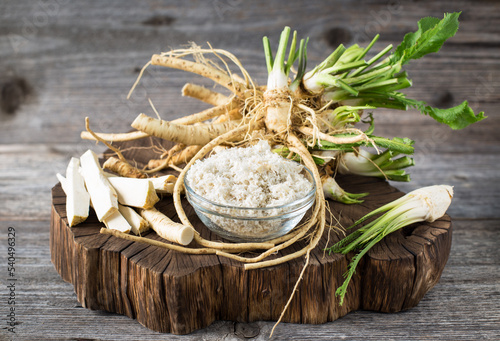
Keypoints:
pixel 250 224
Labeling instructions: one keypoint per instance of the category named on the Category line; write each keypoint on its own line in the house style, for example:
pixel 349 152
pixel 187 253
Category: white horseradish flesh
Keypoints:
pixel 249 177
pixel 252 177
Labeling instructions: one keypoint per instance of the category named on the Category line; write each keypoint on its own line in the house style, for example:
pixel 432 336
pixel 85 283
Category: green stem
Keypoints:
pixel 381 158
pixel 402 162
pixel 376 85
pixel 341 291
pixel 331 59
pixel 365 51
pixel 302 64
pixel 373 60
pixel 268 54
pixel 279 61
pixel 292 54
pixel 367 76
pixel 381 209
pixel 347 87
pixel 344 67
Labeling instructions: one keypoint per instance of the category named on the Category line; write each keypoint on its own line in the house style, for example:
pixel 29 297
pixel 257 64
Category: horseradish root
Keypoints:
pixel 424 204
pixel 137 223
pixel 122 168
pixel 184 156
pixel 138 193
pixel 164 184
pixel 77 197
pixel 187 134
pixel 166 228
pixel 204 94
pixel 116 221
pixel 103 195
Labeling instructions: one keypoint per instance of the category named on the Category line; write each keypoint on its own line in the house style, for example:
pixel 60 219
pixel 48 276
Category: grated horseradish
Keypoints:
pixel 249 177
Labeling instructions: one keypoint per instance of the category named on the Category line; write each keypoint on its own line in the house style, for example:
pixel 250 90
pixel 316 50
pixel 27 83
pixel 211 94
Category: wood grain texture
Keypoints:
pixel 80 59
pixel 177 293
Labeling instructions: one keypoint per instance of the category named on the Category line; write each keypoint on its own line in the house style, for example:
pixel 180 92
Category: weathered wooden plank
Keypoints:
pixel 83 78
pixel 61 61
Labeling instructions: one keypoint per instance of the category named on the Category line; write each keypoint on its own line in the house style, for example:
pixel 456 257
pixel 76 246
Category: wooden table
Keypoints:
pixel 61 61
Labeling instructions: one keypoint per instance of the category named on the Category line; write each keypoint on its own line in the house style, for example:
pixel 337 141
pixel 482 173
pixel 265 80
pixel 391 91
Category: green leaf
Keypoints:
pixel 302 55
pixel 319 161
pixel 371 121
pixel 430 36
pixel 347 147
pixel 397 144
pixel 268 53
pixel 399 177
pixel 457 117
pixel 292 54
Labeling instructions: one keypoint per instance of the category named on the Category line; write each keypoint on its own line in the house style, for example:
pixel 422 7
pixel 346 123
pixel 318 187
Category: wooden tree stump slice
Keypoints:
pixel 172 292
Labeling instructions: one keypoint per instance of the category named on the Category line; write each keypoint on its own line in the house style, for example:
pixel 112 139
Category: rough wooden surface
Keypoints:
pixel 189 292
pixel 61 61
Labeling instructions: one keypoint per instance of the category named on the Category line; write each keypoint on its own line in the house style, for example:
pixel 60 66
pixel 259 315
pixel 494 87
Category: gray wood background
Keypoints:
pixel 62 60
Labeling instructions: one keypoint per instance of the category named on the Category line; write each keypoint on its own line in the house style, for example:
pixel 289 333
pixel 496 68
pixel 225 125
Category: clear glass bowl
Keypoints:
pixel 247 224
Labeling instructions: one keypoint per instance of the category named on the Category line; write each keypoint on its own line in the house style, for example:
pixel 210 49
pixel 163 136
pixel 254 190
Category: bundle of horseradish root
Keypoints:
pixel 306 115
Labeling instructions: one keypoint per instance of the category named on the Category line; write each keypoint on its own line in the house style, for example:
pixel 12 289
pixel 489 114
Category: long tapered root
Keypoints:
pixel 223 110
pixel 203 94
pixel 232 115
pixel 207 114
pixel 123 168
pixel 292 238
pixel 200 134
pixel 184 156
pixel 166 228
pixel 203 70
pixel 298 147
pixel 133 135
pixel 106 143
pixel 126 236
